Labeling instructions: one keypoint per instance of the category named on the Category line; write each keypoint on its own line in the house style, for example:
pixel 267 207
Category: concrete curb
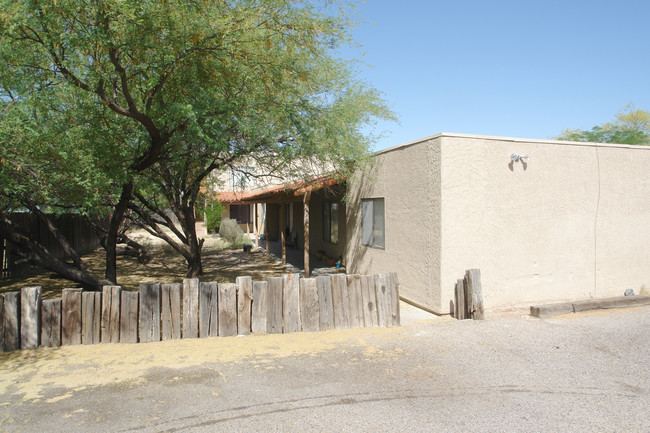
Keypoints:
pixel 549 310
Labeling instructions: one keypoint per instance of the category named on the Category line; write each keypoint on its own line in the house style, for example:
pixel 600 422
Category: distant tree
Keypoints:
pixel 631 126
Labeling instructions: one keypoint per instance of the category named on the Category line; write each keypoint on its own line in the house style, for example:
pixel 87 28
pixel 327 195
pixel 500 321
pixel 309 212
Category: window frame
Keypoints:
pixel 238 212
pixel 329 221
pixel 373 212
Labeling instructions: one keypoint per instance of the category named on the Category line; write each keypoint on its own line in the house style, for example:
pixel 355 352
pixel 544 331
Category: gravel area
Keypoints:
pixel 587 372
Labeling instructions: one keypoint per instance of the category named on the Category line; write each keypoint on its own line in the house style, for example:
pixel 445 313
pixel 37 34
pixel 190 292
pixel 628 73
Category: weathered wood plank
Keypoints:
pixel 309 309
pixel 91 317
pixel 325 306
pixel 11 340
pixel 384 303
pixel 274 304
pixel 71 316
pixel 110 330
pixel 291 303
pixel 209 310
pixel 260 307
pixel 244 304
pixel 129 317
pixel 227 309
pixel 475 287
pixel 190 308
pixel 30 317
pixel 149 312
pixel 394 296
pixel 369 299
pixel 2 320
pixel 340 301
pixel 51 323
pixel 467 310
pixel 356 301
pixel 459 295
pixel 171 311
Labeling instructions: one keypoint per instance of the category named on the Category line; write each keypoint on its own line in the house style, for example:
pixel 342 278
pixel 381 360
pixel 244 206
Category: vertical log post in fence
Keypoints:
pixel 325 306
pixel 340 301
pixel 369 298
pixel 384 302
pixel 227 309
pixel 394 294
pixel 51 323
pixel 149 312
pixel 274 306
pixel 244 304
pixel 190 308
pixel 30 317
pixel 11 320
pixel 71 316
pixel 171 311
pixel 309 311
pixel 208 309
pixel 260 307
pixel 474 287
pixel 459 295
pixel 355 298
pixel 91 308
pixel 291 303
pixel 129 317
pixel 111 299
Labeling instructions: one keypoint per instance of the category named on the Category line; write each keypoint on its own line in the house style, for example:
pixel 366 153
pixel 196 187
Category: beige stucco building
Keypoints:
pixel 564 221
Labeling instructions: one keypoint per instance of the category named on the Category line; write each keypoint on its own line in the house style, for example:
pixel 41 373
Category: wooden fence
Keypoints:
pixel 198 309
pixel 74 227
pixel 468 296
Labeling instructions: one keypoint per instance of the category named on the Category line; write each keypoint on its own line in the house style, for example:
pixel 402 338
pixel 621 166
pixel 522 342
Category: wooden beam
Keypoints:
pixel 256 226
pixel 30 317
pixel 305 202
pixel 283 224
pixel 266 228
pixel 70 316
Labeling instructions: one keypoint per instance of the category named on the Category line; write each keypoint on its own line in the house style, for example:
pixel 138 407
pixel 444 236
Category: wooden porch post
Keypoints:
pixel 305 203
pixel 283 216
pixel 266 227
pixel 256 226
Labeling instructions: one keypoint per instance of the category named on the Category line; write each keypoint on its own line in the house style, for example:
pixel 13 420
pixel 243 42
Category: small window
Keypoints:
pixel 241 213
pixel 241 177
pixel 372 222
pixel 331 222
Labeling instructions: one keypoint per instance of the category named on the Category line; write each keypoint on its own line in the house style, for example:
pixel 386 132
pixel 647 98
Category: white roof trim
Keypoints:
pixel 511 139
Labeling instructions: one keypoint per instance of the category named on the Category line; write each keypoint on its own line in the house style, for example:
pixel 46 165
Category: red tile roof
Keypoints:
pixel 292 189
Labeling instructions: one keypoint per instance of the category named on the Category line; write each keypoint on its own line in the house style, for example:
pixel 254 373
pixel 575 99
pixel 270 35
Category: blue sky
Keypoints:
pixel 506 68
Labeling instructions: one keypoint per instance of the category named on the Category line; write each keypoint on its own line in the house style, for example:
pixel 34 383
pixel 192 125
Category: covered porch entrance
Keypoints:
pixel 302 224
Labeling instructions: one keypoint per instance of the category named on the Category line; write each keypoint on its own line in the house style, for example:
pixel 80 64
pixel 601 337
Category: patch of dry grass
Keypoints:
pixel 166 266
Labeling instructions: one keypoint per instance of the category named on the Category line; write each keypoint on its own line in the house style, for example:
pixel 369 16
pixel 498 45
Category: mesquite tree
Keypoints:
pixel 159 94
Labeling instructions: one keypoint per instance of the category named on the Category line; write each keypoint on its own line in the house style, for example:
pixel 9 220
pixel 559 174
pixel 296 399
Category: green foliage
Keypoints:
pixel 213 212
pixel 230 232
pixel 156 95
pixel 629 127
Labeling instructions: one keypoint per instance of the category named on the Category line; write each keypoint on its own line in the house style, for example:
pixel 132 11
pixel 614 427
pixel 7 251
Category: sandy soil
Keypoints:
pixel 166 266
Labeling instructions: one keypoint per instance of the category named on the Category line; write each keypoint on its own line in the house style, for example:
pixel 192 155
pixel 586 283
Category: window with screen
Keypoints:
pixel 373 222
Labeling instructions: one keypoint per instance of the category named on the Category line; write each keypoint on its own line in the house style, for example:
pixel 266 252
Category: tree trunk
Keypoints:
pixel 113 229
pixel 194 266
pixel 39 256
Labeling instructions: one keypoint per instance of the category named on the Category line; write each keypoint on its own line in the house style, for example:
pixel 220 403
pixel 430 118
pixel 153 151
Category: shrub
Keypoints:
pixel 213 212
pixel 229 230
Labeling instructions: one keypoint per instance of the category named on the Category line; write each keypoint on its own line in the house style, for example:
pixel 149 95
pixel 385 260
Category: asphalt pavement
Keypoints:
pixel 583 372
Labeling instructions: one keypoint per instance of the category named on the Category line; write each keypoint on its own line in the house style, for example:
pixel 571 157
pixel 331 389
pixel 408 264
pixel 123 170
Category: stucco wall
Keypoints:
pixel 570 223
pixel 408 178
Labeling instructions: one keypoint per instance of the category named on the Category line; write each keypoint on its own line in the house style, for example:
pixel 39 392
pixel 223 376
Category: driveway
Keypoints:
pixel 582 373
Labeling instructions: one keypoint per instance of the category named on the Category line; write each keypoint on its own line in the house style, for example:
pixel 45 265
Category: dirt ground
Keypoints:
pixel 166 266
